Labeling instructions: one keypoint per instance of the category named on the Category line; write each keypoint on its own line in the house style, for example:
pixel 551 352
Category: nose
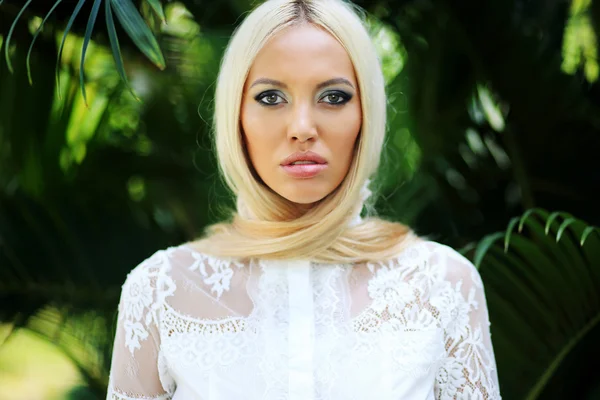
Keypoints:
pixel 302 125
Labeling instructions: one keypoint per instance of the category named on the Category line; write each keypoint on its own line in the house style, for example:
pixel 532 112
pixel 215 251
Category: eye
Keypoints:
pixel 270 98
pixel 336 98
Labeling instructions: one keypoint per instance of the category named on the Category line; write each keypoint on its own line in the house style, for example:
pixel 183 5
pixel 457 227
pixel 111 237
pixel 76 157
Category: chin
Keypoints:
pixel 303 197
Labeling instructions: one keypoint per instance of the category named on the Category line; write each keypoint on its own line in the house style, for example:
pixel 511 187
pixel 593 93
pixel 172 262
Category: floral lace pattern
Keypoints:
pixel 221 272
pixel 138 294
pixel 424 333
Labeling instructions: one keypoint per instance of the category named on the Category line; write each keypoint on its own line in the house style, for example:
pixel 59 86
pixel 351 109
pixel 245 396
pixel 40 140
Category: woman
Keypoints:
pixel 298 297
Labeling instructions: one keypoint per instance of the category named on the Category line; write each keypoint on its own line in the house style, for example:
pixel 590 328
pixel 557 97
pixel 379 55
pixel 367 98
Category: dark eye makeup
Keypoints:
pixel 271 98
pixel 336 97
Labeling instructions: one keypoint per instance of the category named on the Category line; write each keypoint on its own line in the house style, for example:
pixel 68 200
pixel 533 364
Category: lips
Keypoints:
pixel 304 165
pixel 300 158
pixel 304 171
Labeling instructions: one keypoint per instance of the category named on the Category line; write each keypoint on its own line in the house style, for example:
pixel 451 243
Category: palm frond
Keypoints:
pixel 57 290
pixel 64 38
pixel 86 42
pixel 138 31
pixel 35 36
pixel 84 337
pixel 114 45
pixel 542 278
pixel 158 9
pixel 10 33
pixel 130 19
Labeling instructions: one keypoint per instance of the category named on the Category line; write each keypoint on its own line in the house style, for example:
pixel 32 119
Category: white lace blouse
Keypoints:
pixel 192 326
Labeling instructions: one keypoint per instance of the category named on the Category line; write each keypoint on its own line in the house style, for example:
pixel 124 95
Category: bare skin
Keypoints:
pixel 301 95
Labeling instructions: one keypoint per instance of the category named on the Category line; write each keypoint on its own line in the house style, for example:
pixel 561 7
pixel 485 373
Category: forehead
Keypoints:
pixel 302 52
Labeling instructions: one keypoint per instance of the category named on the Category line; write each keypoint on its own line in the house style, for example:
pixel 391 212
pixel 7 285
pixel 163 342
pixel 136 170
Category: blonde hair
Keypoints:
pixel 266 225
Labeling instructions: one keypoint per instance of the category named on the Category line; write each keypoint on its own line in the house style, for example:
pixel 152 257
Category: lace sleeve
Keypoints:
pixel 469 370
pixel 138 370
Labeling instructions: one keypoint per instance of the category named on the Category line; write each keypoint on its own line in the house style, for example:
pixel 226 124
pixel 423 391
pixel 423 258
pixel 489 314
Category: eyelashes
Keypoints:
pixel 271 98
pixel 338 96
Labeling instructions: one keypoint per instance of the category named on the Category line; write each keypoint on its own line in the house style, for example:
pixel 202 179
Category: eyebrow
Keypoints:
pixel 334 81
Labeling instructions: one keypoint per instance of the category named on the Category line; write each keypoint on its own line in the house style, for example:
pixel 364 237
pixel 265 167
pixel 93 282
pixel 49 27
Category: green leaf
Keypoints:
pixel 64 301
pixel 86 40
pixel 484 246
pixel 115 47
pixel 553 217
pixel 588 231
pixel 35 36
pixel 528 213
pixel 158 9
pixel 138 30
pixel 509 231
pixel 64 38
pixel 9 36
pixel 543 296
pixel 564 226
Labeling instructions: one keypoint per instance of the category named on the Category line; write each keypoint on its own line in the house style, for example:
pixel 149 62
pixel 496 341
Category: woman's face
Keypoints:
pixel 301 100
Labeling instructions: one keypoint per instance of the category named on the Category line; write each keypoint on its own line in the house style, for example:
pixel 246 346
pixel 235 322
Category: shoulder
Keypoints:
pixel 427 276
pixel 142 293
pixel 451 265
pixel 435 261
pixel 151 281
pixel 174 275
pixel 160 274
pixel 166 261
pixel 151 269
pixel 145 286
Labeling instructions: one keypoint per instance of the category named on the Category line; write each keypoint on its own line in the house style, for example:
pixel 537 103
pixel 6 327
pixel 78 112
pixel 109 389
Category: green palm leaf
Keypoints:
pixel 138 30
pixel 9 36
pixel 35 36
pixel 64 38
pixel 158 8
pixel 130 19
pixel 86 41
pixel 114 45
pixel 543 291
pixel 58 303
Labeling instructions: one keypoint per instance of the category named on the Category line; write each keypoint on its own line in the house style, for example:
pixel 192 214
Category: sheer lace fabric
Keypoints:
pixel 192 326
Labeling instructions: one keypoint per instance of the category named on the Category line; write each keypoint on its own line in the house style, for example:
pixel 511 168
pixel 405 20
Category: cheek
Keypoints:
pixel 259 130
pixel 353 123
pixel 344 130
pixel 252 128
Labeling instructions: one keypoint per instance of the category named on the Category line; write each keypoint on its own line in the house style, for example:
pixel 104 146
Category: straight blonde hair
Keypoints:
pixel 266 225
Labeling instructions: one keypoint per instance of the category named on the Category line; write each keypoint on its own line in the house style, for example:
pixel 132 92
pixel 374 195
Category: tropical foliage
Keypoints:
pixel 494 118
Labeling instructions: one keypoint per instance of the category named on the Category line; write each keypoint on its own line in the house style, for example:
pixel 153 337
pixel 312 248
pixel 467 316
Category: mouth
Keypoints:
pixel 304 165
pixel 303 158
pixel 304 169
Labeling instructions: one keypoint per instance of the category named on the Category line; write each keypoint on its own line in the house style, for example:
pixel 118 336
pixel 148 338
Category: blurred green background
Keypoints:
pixel 493 148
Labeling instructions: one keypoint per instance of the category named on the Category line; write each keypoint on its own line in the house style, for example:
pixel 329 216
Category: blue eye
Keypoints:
pixel 336 98
pixel 269 98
